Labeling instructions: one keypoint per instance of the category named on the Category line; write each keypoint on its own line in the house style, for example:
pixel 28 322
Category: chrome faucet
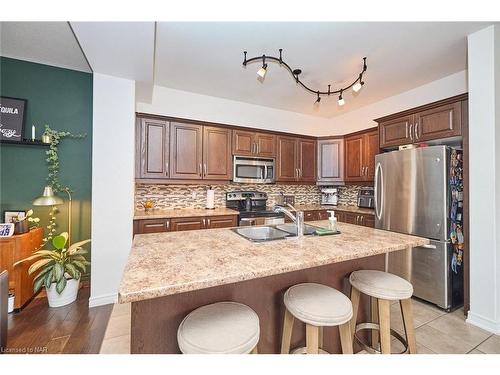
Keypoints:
pixel 298 218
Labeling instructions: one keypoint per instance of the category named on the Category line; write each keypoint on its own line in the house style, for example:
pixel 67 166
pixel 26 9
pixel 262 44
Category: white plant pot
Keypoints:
pixel 67 296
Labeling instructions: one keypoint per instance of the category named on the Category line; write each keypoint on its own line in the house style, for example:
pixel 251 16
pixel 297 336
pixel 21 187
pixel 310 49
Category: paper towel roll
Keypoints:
pixel 210 199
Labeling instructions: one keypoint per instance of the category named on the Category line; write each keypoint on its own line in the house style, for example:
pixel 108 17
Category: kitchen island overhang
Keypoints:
pixel 170 274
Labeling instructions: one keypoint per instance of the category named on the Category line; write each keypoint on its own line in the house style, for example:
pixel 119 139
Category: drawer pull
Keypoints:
pixel 153 225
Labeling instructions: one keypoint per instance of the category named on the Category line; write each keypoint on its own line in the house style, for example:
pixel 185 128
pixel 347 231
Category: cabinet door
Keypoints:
pixel 243 142
pixel 306 162
pixel 186 151
pixel 217 153
pixel 353 158
pixel 440 122
pixel 152 226
pixel 396 132
pixel 351 218
pixel 331 160
pixel 340 216
pixel 310 215
pixel 222 221
pixel 368 221
pixel 187 223
pixel 323 215
pixel 266 145
pixel 371 147
pixel 152 137
pixel 287 159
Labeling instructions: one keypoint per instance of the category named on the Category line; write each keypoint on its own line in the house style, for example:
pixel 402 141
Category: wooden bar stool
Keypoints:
pixel 317 306
pixel 383 287
pixel 219 328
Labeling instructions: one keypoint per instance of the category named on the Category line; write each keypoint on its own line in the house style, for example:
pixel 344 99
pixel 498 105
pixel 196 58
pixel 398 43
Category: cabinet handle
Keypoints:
pixel 362 220
pixel 208 223
pixel 166 167
pixel 205 167
pixel 203 221
pixel 416 131
pixel 357 219
pixel 153 225
pixel 411 132
pixel 257 147
pixel 168 224
pixel 300 172
pixel 200 171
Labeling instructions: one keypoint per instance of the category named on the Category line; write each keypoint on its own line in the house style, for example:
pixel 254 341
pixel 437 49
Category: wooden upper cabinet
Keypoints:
pixel 217 153
pixel 286 164
pixel 359 156
pixel 266 145
pixel 331 160
pixel 438 120
pixel 353 158
pixel 243 142
pixel 396 132
pixel 186 151
pixel 247 143
pixel 152 137
pixel 306 160
pixel 371 149
pixel 441 122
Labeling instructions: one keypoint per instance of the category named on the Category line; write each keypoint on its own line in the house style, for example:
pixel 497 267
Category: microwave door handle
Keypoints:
pixel 265 172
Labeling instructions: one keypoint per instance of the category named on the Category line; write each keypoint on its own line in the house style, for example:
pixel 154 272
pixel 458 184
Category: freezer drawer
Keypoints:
pixel 428 269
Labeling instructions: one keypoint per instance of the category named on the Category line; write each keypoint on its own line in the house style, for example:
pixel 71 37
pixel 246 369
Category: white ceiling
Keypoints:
pixel 206 58
pixel 50 43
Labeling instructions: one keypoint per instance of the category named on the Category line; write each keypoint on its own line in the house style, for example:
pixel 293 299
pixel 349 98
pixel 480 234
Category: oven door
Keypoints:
pixel 253 170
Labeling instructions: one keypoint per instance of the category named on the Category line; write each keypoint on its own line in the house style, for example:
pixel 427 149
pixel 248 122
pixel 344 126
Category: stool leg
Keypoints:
pixel 346 338
pixel 374 314
pixel 407 311
pixel 312 339
pixel 320 337
pixel 384 316
pixel 287 332
pixel 254 350
pixel 355 305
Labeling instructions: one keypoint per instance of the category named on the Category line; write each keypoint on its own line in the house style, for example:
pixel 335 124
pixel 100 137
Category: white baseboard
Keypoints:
pixel 484 323
pixel 103 300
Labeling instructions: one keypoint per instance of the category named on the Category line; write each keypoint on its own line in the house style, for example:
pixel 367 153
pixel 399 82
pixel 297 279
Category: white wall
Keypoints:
pixel 112 184
pixel 183 104
pixel 484 151
pixel 362 118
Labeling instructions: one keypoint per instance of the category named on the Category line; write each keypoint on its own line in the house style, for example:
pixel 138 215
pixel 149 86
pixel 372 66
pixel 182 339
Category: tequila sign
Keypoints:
pixel 12 114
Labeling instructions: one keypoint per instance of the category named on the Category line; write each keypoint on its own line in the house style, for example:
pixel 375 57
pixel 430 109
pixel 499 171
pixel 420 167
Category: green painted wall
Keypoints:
pixel 61 98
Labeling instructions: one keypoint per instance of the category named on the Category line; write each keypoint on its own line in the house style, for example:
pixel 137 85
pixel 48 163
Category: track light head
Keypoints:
pixel 262 71
pixel 341 99
pixel 318 100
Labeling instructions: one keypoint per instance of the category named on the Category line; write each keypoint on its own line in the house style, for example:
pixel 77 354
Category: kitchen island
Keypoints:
pixel 170 274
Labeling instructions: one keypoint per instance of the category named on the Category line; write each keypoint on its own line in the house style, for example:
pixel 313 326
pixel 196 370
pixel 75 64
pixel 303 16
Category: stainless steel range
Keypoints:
pixel 252 208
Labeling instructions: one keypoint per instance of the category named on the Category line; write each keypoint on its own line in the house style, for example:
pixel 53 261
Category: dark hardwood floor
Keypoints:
pixel 69 329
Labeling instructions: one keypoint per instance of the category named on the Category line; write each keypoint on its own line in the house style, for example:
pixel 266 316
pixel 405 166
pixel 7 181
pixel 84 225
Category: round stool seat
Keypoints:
pixel 318 305
pixel 219 328
pixel 381 284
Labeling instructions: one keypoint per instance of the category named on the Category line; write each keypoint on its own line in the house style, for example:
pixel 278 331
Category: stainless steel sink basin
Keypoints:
pixel 259 234
pixel 292 229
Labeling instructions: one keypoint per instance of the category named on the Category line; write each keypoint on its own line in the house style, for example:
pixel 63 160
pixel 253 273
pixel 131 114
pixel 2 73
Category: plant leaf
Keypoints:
pixel 61 284
pixel 60 240
pixel 71 269
pixel 80 265
pixel 58 272
pixel 37 285
pixel 48 278
pixel 26 259
pixel 77 245
pixel 80 251
pixel 37 265
pixel 43 272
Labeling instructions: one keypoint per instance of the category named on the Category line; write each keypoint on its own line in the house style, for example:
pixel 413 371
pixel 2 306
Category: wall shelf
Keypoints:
pixel 24 142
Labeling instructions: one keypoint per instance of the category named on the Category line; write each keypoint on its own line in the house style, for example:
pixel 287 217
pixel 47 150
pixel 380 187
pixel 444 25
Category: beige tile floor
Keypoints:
pixel 437 332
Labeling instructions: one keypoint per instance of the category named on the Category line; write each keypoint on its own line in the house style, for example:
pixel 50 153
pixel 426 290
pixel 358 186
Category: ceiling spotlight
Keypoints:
pixel 262 71
pixel 318 100
pixel 341 99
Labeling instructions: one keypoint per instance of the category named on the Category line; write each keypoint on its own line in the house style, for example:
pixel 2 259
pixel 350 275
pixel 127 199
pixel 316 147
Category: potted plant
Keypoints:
pixel 59 270
pixel 21 222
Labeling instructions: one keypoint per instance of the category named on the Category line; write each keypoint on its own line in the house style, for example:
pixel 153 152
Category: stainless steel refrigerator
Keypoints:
pixel 412 196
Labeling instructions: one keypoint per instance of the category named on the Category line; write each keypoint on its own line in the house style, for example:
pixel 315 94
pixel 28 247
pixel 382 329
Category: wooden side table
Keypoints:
pixel 16 248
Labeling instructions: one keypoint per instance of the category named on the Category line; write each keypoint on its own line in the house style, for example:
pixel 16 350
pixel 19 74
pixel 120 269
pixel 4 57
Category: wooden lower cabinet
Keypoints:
pixel 366 220
pixel 13 249
pixel 178 224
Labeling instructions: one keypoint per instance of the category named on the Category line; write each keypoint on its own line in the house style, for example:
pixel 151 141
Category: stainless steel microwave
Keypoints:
pixel 254 170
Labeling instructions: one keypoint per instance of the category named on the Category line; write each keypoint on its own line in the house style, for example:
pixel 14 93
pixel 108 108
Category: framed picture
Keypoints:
pixel 9 215
pixel 12 115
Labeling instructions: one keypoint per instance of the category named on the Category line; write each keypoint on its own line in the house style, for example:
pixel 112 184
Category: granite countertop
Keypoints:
pixel 182 212
pixel 340 207
pixel 162 264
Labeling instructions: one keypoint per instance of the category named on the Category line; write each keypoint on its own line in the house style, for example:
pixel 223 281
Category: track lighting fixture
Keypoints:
pixel 341 99
pixel 356 85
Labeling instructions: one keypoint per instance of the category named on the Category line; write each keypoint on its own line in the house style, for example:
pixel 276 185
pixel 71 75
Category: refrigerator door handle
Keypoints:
pixel 379 204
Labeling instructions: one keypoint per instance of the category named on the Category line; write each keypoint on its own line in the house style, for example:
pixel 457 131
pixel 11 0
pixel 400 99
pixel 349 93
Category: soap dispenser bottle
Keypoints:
pixel 333 221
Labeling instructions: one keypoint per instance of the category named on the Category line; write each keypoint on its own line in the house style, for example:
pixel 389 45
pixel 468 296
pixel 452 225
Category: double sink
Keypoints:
pixel 271 233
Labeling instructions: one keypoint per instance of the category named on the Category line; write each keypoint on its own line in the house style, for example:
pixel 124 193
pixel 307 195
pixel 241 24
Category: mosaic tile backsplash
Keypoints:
pixel 194 196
